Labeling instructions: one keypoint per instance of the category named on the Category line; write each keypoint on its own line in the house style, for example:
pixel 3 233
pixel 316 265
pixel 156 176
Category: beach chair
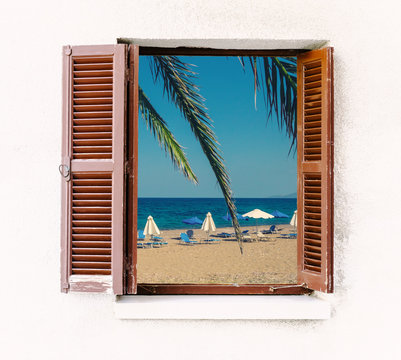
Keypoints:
pixel 247 238
pixel 158 240
pixel 272 230
pixel 212 241
pixel 289 236
pixel 190 234
pixel 185 240
pixel 225 235
pixel 143 245
pixel 261 236
pixel 140 244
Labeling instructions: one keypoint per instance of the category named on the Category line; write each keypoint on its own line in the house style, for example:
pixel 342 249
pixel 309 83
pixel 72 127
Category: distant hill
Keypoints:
pixel 287 196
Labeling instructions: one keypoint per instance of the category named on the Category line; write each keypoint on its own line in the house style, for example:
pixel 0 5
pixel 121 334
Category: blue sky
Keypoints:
pixel 256 152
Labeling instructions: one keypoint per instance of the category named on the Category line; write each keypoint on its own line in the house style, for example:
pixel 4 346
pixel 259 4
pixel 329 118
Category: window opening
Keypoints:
pixel 251 102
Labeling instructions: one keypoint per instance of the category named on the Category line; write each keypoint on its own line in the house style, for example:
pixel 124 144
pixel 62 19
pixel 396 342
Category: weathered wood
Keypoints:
pixel 192 289
pixel 315 171
pixel 132 170
pixel 96 166
pixel 91 283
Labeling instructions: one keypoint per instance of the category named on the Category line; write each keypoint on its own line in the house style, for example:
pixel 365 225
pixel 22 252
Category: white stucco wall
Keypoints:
pixel 38 322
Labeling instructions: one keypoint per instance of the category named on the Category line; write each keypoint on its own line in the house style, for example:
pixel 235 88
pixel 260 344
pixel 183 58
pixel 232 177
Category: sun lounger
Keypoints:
pixel 225 235
pixel 260 235
pixel 141 236
pixel 185 240
pixel 143 245
pixel 212 241
pixel 248 238
pixel 157 241
pixel 272 230
pixel 263 237
pixel 289 236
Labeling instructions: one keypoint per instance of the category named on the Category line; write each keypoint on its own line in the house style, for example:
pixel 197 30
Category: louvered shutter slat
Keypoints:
pixel 93 145
pixel 315 139
pixel 92 108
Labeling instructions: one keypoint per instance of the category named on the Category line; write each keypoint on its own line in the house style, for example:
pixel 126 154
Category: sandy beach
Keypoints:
pixel 273 260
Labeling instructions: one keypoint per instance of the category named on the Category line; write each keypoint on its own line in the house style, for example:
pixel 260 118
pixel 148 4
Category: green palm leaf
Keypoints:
pixel 178 85
pixel 277 76
pixel 165 138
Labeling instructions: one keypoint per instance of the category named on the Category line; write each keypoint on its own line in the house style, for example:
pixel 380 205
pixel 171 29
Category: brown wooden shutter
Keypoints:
pixel 315 169
pixel 92 224
pixel 132 180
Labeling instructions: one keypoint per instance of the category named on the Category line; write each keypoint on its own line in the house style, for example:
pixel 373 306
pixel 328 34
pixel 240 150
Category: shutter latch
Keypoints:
pixel 65 172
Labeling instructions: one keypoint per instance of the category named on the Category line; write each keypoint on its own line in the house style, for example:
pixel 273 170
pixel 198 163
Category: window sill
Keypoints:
pixel 219 307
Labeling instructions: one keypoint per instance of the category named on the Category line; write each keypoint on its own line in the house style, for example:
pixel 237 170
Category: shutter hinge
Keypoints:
pixel 67 50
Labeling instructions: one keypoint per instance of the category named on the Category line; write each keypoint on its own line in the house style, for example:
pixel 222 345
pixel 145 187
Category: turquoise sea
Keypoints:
pixel 168 213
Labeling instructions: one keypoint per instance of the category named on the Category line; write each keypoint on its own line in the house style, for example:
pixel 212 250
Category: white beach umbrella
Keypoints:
pixel 293 221
pixel 258 214
pixel 151 227
pixel 208 224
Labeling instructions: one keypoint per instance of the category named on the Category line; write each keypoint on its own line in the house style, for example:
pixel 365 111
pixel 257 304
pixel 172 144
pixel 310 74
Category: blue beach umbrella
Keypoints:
pixel 193 221
pixel 278 214
pixel 227 217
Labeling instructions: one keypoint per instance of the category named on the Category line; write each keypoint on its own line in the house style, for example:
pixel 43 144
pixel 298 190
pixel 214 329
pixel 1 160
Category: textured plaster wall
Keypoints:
pixel 38 322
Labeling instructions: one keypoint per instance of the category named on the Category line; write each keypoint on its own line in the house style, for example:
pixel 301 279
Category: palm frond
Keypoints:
pixel 165 138
pixel 277 78
pixel 178 85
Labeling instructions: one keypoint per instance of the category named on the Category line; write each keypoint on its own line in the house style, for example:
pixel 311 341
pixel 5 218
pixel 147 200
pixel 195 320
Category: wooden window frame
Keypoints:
pixel 131 246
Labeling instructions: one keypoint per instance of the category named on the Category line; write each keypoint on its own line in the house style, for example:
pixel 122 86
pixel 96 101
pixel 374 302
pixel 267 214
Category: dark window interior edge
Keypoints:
pixel 208 289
